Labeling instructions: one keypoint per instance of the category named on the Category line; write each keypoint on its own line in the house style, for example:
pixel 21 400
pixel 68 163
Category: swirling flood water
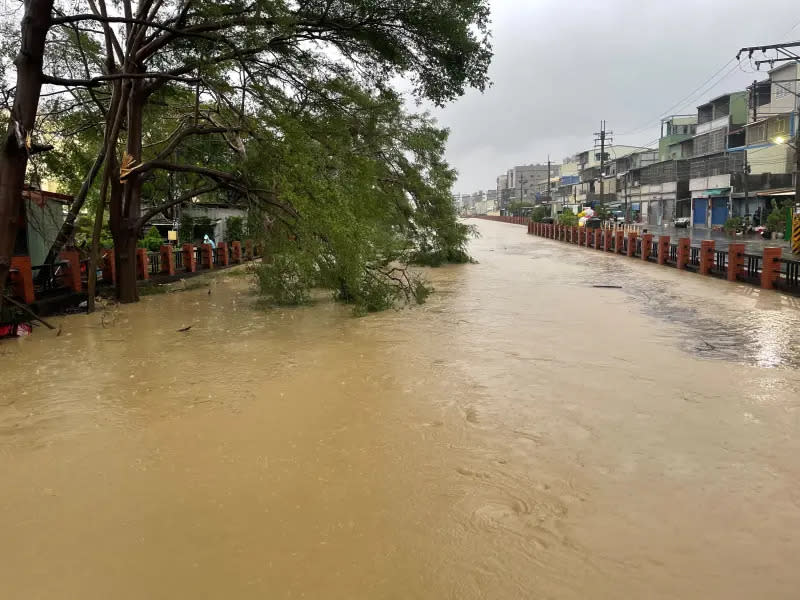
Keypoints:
pixel 521 435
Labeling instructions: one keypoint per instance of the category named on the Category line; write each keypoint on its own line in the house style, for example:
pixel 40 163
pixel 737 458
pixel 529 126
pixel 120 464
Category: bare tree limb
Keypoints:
pixel 149 214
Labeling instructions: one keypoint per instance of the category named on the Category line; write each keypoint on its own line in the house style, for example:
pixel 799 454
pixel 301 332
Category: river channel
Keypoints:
pixel 521 435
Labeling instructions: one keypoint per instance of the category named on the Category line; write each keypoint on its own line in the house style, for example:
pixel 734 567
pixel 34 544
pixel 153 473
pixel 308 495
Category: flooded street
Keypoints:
pixel 522 435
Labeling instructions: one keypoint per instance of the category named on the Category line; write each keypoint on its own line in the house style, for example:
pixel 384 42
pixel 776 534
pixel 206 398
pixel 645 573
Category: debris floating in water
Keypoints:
pixel 616 287
pixel 185 328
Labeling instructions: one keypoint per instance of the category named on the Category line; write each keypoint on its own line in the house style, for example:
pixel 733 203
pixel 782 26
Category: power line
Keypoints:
pixel 690 95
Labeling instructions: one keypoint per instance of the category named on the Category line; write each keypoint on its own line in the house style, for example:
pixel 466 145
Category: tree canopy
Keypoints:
pixel 285 108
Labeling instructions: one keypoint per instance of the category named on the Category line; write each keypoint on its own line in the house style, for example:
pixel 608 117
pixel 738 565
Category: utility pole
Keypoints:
pixel 783 52
pixel 600 138
pixel 548 178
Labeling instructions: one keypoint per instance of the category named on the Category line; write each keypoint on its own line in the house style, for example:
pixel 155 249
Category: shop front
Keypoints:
pixel 710 208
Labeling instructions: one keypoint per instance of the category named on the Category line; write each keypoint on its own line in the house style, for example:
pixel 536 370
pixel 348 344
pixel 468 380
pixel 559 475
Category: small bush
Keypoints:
pixel 732 225
pixel 776 221
pixel 152 241
pixel 568 218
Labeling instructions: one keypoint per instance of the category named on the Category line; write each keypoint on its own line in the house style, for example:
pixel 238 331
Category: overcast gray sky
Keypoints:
pixel 560 67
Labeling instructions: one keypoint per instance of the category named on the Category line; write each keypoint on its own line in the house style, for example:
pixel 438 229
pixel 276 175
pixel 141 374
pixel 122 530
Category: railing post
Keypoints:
pixel 647 245
pixel 770 267
pixel 683 252
pixel 109 267
pixel 706 257
pixel 663 249
pixel 237 252
pixel 619 236
pixel 606 240
pixel 21 277
pixel 632 243
pixel 735 261
pixel 167 260
pixel 248 249
pixel 207 256
pixel 598 239
pixel 72 278
pixel 189 262
pixel 222 254
pixel 142 264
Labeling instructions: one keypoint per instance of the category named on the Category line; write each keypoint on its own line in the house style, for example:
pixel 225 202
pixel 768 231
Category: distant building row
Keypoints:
pixel 731 158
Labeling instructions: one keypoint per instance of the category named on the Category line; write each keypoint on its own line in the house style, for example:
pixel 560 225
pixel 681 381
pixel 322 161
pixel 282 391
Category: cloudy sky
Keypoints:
pixel 560 67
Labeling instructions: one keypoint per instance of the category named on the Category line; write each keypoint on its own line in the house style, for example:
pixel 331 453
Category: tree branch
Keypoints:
pixel 100 79
pixel 184 198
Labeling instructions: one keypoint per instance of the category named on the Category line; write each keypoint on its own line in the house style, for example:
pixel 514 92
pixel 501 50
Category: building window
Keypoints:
pixel 781 88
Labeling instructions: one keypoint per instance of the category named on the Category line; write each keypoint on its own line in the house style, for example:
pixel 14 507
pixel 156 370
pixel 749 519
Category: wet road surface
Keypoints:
pixel 522 435
pixel 754 243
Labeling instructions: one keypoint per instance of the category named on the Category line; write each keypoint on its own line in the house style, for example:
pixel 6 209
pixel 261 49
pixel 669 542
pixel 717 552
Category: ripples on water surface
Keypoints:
pixel 523 435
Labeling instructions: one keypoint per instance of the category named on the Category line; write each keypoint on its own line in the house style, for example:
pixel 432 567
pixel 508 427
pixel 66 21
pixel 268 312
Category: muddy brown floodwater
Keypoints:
pixel 522 435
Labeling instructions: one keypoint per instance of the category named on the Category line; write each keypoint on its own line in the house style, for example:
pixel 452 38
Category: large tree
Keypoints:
pixel 236 59
pixel 17 145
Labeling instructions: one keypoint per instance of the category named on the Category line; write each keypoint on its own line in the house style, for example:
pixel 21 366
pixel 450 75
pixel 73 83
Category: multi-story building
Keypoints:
pixel 491 201
pixel 677 132
pixel 568 182
pixel 522 181
pixel 720 128
pixel 503 191
pixel 770 160
pixel 588 191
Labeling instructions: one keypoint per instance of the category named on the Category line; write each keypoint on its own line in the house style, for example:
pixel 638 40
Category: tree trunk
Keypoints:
pixel 125 259
pixel 94 255
pixel 14 152
pixel 126 200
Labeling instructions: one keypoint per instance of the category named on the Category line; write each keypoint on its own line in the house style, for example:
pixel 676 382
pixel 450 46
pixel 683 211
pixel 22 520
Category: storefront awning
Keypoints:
pixel 791 193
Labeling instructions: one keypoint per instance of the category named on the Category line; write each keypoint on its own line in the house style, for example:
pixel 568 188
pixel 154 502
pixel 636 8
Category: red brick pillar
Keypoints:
pixel 167 260
pixel 607 240
pixel 706 257
pixel 142 264
pixel 189 262
pixel 619 236
pixel 735 261
pixel 574 239
pixel 647 245
pixel 222 254
pixel 770 267
pixel 663 249
pixel 248 250
pixel 598 239
pixel 21 278
pixel 109 267
pixel 207 256
pixel 631 243
pixel 683 252
pixel 72 278
pixel 237 252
